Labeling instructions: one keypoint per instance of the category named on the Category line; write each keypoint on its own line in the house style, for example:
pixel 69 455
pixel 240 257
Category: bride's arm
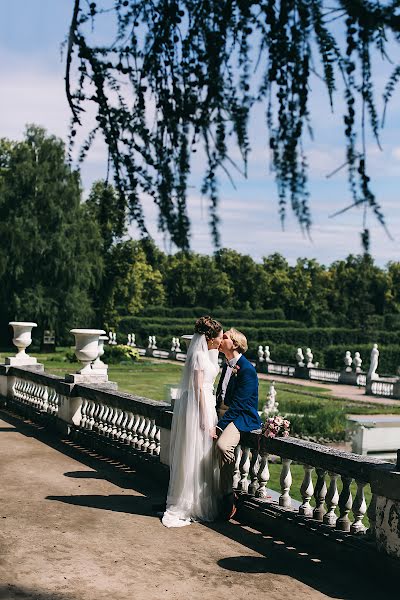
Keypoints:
pixel 198 386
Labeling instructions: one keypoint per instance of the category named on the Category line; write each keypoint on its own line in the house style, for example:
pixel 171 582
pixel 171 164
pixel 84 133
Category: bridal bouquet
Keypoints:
pixel 276 427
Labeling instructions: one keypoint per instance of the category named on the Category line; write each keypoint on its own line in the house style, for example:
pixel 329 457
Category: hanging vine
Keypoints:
pixel 183 75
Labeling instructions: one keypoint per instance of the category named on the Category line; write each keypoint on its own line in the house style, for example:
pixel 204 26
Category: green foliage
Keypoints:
pixel 177 77
pixel 49 259
pixel 120 353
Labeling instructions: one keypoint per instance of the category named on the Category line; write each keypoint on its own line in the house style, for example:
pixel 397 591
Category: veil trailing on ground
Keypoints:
pixel 190 433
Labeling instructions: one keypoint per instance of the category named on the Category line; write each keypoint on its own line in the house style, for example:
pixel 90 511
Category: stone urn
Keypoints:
pixel 98 363
pixel 186 339
pixel 22 339
pixel 87 347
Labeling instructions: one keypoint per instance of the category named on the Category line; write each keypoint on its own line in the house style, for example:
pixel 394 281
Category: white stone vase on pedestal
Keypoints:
pixel 86 351
pixel 98 364
pixel 22 339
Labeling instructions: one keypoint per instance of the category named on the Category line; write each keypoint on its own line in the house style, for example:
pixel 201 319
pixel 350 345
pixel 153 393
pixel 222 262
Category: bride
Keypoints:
pixel 193 493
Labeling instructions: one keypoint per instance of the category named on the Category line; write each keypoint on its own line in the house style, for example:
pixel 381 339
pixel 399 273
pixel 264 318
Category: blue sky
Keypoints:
pixel 32 91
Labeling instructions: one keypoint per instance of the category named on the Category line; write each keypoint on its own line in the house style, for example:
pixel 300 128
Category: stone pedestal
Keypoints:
pixel 86 378
pixel 21 360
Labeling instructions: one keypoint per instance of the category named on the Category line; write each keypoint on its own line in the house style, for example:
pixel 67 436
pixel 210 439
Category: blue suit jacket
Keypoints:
pixel 242 398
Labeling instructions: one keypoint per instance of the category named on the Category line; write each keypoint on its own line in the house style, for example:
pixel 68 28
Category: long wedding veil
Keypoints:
pixel 185 430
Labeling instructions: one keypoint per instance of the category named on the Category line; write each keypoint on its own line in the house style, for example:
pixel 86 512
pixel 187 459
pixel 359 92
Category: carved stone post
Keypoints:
pixel 286 482
pixel 332 499
pixel 319 495
pixel 359 510
pixel 244 470
pixel 263 476
pixel 306 490
pixel 345 503
pixel 254 467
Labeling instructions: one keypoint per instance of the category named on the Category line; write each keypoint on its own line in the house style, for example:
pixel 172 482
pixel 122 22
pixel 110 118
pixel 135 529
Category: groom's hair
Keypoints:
pixel 239 339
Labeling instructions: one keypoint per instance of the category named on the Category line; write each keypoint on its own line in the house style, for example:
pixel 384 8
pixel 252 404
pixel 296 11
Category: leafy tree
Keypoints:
pixel 195 280
pixel 359 288
pixel 247 279
pixel 185 74
pixel 131 283
pixel 49 255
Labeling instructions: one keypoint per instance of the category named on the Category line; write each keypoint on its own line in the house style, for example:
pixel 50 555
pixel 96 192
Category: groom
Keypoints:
pixel 237 408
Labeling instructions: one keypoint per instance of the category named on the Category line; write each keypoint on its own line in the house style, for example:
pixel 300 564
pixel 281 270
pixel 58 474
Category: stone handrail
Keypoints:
pixel 252 476
pixel 130 425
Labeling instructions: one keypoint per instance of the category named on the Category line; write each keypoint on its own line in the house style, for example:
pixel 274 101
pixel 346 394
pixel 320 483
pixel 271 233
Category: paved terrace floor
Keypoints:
pixel 75 527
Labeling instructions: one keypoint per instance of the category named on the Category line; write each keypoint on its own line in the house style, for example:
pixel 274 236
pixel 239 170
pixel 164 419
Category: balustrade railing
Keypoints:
pixel 281 369
pixel 327 480
pixel 332 490
pixel 324 375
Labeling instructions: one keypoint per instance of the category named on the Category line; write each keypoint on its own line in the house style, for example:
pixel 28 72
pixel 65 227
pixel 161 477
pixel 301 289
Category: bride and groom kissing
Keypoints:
pixel 206 427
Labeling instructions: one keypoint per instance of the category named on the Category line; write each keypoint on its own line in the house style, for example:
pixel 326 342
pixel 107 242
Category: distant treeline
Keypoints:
pixel 67 263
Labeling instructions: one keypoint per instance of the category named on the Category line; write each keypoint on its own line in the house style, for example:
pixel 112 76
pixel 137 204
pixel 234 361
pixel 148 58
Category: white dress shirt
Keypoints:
pixel 231 363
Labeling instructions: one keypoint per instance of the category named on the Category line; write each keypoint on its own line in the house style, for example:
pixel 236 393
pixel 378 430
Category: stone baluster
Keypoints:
pixel 109 425
pixel 332 498
pixel 306 490
pixel 152 434
pixel 100 419
pixel 146 434
pixel 319 495
pixel 140 431
pixel 254 467
pixel 123 433
pixel 345 503
pixel 135 435
pixel 129 425
pixel 236 470
pixel 115 421
pixel 371 513
pixel 92 407
pixel 158 442
pixel 286 482
pixel 263 476
pixel 103 422
pixel 83 414
pixel 96 416
pixel 45 399
pixel 244 470
pixel 359 510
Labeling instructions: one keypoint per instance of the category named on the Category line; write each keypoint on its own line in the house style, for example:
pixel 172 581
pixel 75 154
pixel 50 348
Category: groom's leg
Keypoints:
pixel 226 444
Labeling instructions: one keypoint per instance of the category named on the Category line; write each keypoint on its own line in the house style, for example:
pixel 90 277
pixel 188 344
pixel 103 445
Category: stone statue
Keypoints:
pixel 267 354
pixel 177 345
pixel 150 341
pixel 309 358
pixel 154 342
pixel 260 354
pixel 173 345
pixel 357 362
pixel 300 357
pixel 133 340
pixel 129 339
pixel 348 361
pixel 372 374
pixel 271 406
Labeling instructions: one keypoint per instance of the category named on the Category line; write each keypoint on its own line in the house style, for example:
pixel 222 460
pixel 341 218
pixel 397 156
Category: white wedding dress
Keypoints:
pixel 193 493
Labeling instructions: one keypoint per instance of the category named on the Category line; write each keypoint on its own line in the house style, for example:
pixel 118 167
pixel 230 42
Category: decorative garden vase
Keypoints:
pixel 22 339
pixel 87 347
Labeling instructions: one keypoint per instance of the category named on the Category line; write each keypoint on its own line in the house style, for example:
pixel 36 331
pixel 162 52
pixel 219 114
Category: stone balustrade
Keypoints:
pixel 130 427
pixel 324 375
pixel 280 369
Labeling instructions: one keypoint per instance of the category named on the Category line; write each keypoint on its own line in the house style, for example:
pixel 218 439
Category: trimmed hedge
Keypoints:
pixel 147 324
pixel 218 313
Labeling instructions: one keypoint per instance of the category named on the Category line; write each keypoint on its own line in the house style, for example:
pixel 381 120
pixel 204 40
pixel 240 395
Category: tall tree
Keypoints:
pixel 184 74
pixel 49 256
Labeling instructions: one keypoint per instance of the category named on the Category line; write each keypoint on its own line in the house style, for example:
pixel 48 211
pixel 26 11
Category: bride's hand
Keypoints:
pixel 213 433
pixel 202 424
